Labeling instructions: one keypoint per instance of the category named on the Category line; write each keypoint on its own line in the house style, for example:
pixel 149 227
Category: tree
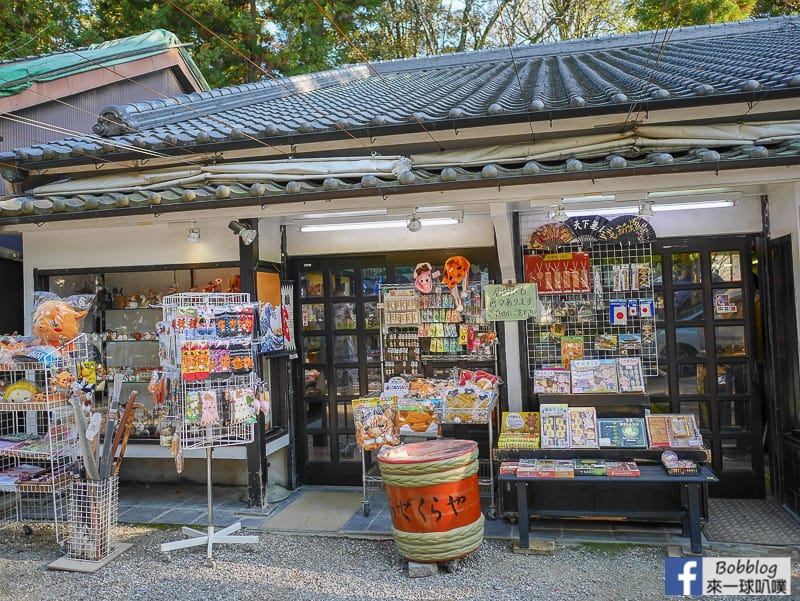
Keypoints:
pixel 772 8
pixel 29 27
pixel 665 14
pixel 426 27
pixel 320 34
pixel 228 39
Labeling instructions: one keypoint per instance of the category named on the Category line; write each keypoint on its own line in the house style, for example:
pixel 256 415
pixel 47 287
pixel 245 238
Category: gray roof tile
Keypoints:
pixel 29 209
pixel 681 67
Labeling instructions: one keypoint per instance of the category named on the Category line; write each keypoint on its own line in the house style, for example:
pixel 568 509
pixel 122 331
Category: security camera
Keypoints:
pixel 414 224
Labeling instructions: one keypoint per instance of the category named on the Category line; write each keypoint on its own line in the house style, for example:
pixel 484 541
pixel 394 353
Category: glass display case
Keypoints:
pixel 124 320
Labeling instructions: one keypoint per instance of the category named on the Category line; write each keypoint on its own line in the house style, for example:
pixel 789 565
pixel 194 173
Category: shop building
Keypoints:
pixel 501 141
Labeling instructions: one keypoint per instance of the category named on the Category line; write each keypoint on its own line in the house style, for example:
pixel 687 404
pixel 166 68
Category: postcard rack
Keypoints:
pixel 208 346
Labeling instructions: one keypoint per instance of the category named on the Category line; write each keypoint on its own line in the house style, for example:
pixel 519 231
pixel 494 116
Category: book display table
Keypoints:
pixel 691 493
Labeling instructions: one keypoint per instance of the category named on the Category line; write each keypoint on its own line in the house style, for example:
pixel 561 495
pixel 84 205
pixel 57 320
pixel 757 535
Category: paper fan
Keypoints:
pixel 550 236
pixel 586 229
pixel 628 228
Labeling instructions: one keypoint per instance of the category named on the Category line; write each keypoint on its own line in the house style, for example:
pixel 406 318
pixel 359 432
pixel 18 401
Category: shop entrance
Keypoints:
pixel 338 337
pixel 708 352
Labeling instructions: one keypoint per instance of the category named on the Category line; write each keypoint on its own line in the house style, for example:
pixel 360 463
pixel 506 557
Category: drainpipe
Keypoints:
pixel 774 423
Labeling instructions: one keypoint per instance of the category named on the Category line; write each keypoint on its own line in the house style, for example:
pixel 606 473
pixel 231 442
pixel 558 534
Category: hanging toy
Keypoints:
pixel 456 271
pixel 424 277
pixel 158 388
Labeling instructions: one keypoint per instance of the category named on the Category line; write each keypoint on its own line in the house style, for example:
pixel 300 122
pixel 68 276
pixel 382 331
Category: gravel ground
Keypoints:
pixel 326 569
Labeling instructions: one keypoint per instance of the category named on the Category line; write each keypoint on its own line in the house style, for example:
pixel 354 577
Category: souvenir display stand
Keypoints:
pixel 591 346
pixel 208 348
pixel 423 334
pixel 39 450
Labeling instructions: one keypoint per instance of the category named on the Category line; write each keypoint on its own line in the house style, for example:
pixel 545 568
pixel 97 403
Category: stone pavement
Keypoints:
pixel 731 521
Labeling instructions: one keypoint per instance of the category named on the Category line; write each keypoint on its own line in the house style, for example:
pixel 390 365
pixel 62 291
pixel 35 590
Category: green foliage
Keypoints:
pixel 767 8
pixel 30 27
pixel 319 34
pixel 664 14
pixel 228 39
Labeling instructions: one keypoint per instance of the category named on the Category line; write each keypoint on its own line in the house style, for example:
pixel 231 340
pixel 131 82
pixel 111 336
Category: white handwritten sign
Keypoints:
pixel 510 303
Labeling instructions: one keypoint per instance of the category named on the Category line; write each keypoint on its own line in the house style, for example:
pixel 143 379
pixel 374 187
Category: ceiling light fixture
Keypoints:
pixel 245 232
pixel 414 224
pixel 646 208
pixel 376 225
pixel 193 235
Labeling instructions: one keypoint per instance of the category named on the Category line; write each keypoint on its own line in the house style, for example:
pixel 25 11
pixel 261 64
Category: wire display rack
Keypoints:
pixel 619 279
pixel 92 517
pixel 208 346
pixel 39 451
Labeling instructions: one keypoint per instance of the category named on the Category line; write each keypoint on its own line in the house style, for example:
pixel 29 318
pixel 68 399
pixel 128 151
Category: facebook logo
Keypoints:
pixel 683 576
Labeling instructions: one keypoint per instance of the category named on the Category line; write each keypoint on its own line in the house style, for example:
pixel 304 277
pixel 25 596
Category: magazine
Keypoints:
pixel 582 427
pixel 594 375
pixel 554 427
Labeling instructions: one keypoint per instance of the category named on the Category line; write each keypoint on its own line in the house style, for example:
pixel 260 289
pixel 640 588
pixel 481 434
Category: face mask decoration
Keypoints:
pixel 424 277
pixel 456 271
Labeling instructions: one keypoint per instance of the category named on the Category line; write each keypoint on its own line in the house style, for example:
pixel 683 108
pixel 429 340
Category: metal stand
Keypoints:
pixel 209 538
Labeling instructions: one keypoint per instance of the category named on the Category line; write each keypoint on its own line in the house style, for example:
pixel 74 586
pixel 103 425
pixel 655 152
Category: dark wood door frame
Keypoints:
pixel 733 482
pixel 349 472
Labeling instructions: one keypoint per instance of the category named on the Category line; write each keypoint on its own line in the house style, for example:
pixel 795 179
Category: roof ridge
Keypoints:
pixel 609 41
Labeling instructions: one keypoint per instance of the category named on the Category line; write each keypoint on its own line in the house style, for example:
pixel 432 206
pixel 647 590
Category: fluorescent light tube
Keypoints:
pixel 374 225
pixel 633 209
pixel 589 198
pixel 686 206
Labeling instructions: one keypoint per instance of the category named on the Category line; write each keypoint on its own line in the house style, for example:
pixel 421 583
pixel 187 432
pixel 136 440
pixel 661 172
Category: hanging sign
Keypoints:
pixel 558 273
pixel 510 303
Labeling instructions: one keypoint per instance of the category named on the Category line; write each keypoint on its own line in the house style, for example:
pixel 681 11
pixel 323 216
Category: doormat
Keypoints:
pixel 315 511
pixel 753 521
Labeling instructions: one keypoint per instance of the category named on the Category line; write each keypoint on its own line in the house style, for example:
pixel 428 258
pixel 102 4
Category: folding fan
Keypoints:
pixel 586 229
pixel 628 228
pixel 550 236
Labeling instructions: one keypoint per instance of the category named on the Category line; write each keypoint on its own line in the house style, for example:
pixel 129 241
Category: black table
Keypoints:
pixel 692 485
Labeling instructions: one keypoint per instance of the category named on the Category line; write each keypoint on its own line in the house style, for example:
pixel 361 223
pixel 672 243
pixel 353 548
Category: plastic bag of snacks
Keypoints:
pixel 418 417
pixel 376 423
pixel 467 404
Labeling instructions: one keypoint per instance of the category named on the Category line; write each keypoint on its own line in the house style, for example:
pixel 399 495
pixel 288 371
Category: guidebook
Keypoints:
pixel 554 428
pixel 622 432
pixel 582 427
pixel 629 374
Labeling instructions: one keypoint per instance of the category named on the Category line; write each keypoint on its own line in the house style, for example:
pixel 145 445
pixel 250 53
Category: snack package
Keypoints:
pixel 418 417
pixel 375 423
pixel 467 405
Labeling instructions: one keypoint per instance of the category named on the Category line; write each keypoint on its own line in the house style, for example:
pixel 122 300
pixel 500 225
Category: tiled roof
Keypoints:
pixel 18 74
pixel 29 209
pixel 695 66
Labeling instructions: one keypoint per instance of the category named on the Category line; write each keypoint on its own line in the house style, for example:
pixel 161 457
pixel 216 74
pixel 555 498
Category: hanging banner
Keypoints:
pixel 558 273
pixel 510 303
